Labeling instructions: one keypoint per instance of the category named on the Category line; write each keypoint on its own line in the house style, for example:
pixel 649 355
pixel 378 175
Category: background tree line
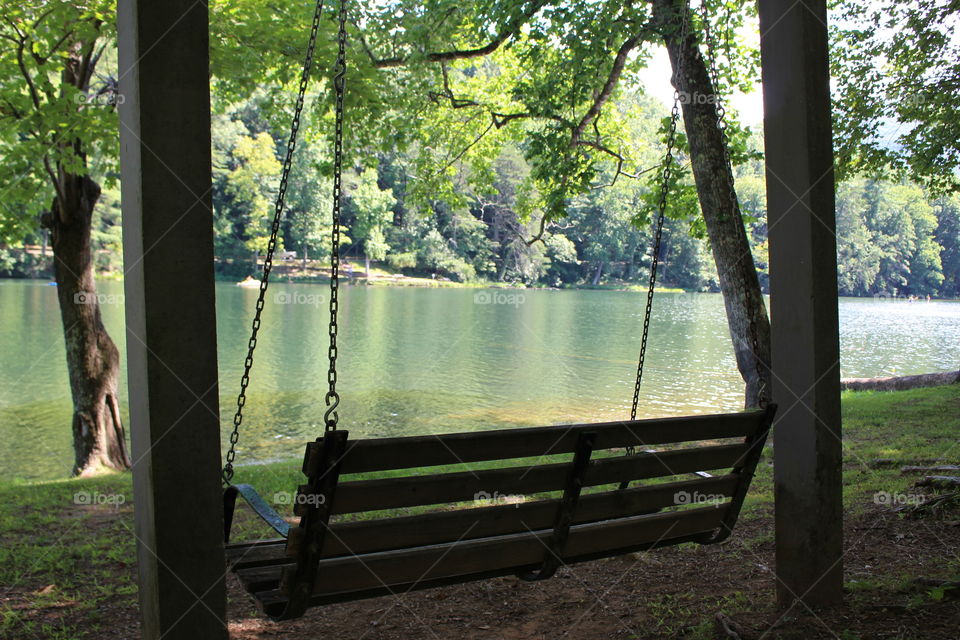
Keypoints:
pixel 894 237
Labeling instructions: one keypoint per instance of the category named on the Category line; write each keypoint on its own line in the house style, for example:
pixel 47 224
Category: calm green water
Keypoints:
pixel 434 360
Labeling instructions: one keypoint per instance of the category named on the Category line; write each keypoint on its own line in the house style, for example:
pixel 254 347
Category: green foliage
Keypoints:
pixel 107 234
pixel 948 237
pixel 886 239
pixel 372 209
pixel 245 170
pixel 897 65
pixel 455 167
pixel 46 122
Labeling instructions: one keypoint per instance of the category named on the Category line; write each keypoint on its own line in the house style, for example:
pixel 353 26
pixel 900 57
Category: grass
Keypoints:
pixel 78 563
pixel 68 546
pixel 914 427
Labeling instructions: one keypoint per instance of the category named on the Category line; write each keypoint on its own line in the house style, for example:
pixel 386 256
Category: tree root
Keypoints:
pixel 729 628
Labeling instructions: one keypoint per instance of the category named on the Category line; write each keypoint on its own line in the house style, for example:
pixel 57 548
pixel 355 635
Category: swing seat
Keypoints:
pixel 521 518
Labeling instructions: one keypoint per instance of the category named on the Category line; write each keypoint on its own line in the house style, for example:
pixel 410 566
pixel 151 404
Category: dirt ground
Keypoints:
pixel 669 593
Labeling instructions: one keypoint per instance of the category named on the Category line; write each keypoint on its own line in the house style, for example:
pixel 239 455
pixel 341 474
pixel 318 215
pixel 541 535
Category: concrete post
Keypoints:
pixel 171 317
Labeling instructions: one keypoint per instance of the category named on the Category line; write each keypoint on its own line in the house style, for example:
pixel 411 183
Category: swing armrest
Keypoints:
pixel 257 503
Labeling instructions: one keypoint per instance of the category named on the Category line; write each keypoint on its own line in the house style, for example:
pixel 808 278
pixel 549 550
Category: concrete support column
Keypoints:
pixel 171 317
pixel 803 301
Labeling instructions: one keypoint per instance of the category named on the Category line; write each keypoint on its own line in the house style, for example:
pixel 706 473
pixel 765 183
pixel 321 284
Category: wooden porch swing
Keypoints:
pixel 551 520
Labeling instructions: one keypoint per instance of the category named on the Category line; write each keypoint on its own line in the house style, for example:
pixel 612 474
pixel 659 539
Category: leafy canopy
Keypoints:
pixel 49 119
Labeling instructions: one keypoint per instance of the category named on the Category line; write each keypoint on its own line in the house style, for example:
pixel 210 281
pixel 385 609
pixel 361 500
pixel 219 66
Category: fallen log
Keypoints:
pixel 939 482
pixel 943 468
pixel 936 582
pixel 889 463
pixel 900 383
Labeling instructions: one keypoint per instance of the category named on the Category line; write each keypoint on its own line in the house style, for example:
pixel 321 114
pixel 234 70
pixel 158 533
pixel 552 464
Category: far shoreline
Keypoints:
pixel 402 281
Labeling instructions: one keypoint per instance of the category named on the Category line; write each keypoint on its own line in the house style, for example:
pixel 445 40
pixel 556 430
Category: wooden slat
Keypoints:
pixel 408 491
pixel 238 548
pixel 485 555
pixel 454 448
pixel 273 601
pixel 368 536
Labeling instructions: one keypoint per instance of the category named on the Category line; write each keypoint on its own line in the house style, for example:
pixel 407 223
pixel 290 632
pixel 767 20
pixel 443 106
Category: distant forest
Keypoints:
pixel 893 239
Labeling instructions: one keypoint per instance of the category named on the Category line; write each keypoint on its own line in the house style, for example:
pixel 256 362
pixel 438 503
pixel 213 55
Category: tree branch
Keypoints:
pixel 467 148
pixel 463 54
pixel 21 42
pixel 447 93
pixel 539 236
pixel 503 119
pixel 88 60
pixel 11 110
pixel 619 62
pixel 620 161
pixel 40 60
pixel 500 120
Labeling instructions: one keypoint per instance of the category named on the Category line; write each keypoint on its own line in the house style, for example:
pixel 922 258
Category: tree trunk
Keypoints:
pixel 631 262
pixel 742 297
pixel 366 266
pixel 597 273
pixel 93 361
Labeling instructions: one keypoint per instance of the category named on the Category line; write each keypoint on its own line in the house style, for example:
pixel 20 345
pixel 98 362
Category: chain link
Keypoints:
pixel 330 417
pixel 666 175
pixel 762 398
pixel 272 244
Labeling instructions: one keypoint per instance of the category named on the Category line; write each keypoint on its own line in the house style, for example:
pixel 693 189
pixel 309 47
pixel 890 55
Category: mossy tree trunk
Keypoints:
pixel 93 360
pixel 742 297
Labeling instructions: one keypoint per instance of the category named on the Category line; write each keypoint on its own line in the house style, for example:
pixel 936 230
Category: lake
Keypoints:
pixel 438 360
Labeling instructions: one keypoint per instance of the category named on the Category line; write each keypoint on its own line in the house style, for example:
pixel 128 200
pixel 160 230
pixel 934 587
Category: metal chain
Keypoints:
pixel 227 472
pixel 330 417
pixel 715 78
pixel 762 398
pixel 665 177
